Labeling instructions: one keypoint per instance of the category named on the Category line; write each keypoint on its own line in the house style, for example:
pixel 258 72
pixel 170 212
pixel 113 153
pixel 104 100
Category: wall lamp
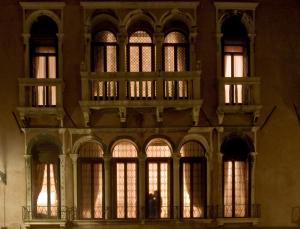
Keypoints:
pixel 2 177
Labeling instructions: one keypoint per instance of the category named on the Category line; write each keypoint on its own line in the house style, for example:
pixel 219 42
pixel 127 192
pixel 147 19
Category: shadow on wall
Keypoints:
pixel 296 215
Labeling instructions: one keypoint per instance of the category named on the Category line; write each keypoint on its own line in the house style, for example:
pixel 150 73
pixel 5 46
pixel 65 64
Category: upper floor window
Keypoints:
pixel 140 52
pixel 104 48
pixel 43 48
pixel 236 176
pixel 90 182
pixel 45 181
pixel 175 49
pixel 193 180
pixel 235 59
pixel 158 181
pixel 125 169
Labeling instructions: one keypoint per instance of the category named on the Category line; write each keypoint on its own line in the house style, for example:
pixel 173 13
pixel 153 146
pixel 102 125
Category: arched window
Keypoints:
pixel 43 55
pixel 125 173
pixel 236 175
pixel 235 44
pixel 175 57
pixel 105 49
pixel 140 58
pixel 90 181
pixel 193 180
pixel 158 181
pixel 45 181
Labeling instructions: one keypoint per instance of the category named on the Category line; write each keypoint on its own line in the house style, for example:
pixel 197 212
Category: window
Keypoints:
pixel 43 45
pixel 235 60
pixel 236 181
pixel 45 182
pixel 125 170
pixel 175 49
pixel 105 50
pixel 90 182
pixel 193 180
pixel 140 58
pixel 158 181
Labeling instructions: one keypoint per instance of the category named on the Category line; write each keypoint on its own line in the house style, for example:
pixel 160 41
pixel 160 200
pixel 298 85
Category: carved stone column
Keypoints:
pixel 26 37
pixel 62 158
pixel 176 180
pixel 107 190
pixel 158 40
pixel 74 158
pixel 192 51
pixel 252 62
pixel 87 37
pixel 60 56
pixel 142 189
pixel 28 169
pixel 122 40
pixel 252 176
pixel 220 179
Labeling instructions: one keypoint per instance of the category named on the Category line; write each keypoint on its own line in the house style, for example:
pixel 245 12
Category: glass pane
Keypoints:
pixel 175 37
pixel 111 58
pixel 227 66
pixel 238 93
pixel 134 59
pixel 52 67
pixel 140 37
pixel 238 66
pixel 186 190
pixel 146 59
pixel 169 59
pixel 120 190
pixel 124 149
pixel 228 179
pixel 90 150
pixel 42 199
pixel 99 59
pixel 86 185
pixel 41 95
pixel 105 36
pixel 158 148
pixel 182 89
pixel 131 190
pixel 181 61
pixel 227 93
pixel 192 149
pixel 164 198
pixel 240 186
pixel 40 67
pixel 198 189
pixel 98 191
pixel 53 95
pixel 233 49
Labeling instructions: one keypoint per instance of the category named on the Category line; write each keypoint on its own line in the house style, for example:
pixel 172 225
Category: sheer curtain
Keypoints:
pixel 38 185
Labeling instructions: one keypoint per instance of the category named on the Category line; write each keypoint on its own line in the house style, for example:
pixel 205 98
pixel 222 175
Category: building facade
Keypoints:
pixel 149 114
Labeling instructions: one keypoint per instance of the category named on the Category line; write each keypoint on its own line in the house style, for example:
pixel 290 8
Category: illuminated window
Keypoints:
pixel 193 180
pixel 235 44
pixel 140 58
pixel 90 182
pixel 175 49
pixel 236 172
pixel 43 44
pixel 104 48
pixel 45 182
pixel 125 167
pixel 158 184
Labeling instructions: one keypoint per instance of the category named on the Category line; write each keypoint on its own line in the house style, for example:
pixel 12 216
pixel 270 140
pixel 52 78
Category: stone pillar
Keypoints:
pixel 74 158
pixel 192 51
pixel 176 186
pixel 62 158
pixel 252 61
pixel 28 169
pixel 158 40
pixel 220 182
pixel 26 37
pixel 142 188
pixel 122 40
pixel 252 176
pixel 60 55
pixel 219 54
pixel 107 190
pixel 87 37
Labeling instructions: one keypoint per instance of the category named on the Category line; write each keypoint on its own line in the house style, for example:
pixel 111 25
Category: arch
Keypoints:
pixel 103 21
pixel 85 139
pixel 121 142
pixel 192 149
pixel 121 139
pixel 237 145
pixel 139 16
pixel 35 15
pixel 198 138
pixel 177 15
pixel 156 141
pixel 43 139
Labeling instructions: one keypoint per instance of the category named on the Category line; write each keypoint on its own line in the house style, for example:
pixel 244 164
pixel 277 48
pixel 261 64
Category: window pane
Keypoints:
pixel 158 148
pixel 198 191
pixel 192 149
pixel 40 67
pixel 238 65
pixel 164 193
pixel 227 66
pixel 53 95
pixel 134 59
pixel 131 190
pixel 240 186
pixel 124 149
pixel 111 59
pixel 175 37
pixel 169 59
pixel 42 199
pixel 90 150
pixel 228 179
pixel 99 59
pixel 86 199
pixel 41 95
pixel 52 67
pixel 120 190
pixel 181 61
pixel 140 37
pixel 146 59
pixel 227 93
pixel 105 36
pixel 98 191
pixel 186 190
pixel 153 177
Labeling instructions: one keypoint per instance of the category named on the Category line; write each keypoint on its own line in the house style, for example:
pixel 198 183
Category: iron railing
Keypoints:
pixel 30 213
pixel 237 211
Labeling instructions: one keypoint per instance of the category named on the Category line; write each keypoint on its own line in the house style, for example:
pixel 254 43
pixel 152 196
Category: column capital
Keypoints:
pixel 62 157
pixel 220 157
pixel 27 156
pixel 74 157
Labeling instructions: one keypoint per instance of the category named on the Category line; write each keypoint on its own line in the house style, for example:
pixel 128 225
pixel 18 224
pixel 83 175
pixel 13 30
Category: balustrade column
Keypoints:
pixel 28 169
pixel 176 191
pixel 74 158
pixel 107 195
pixel 142 162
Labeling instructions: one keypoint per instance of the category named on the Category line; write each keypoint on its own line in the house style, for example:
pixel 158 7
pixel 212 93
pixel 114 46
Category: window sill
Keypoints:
pixel 222 221
pixel 33 222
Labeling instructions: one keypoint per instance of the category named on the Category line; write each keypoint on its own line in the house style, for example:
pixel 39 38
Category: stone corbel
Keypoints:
pixel 196 111
pixel 220 117
pixel 86 116
pixel 159 114
pixel 256 115
pixel 123 114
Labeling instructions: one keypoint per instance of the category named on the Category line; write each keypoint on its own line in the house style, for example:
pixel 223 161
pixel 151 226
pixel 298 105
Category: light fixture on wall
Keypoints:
pixel 2 177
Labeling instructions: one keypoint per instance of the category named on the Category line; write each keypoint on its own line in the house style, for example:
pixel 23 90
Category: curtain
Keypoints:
pixel 97 190
pixel 38 181
pixel 240 188
pixel 54 203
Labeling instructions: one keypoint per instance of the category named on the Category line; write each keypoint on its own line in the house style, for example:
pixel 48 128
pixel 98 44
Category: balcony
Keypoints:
pixel 40 97
pixel 159 90
pixel 239 95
